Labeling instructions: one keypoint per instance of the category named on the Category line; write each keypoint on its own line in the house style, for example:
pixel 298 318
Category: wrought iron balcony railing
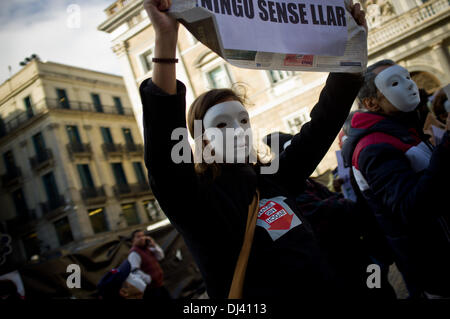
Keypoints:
pixel 53 204
pixel 409 21
pixel 43 159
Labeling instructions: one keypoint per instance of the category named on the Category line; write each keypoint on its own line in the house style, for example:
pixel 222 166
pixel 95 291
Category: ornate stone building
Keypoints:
pixel 72 166
pixel 412 32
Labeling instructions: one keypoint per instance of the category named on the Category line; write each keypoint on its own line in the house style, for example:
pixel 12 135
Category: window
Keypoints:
pixel 39 144
pixel 153 210
pixel 146 60
pixel 62 99
pixel 106 133
pixel 127 135
pixel 130 214
pixel 50 188
pixel 31 244
pixel 296 120
pixel 276 76
pixel 8 158
pixel 139 172
pixel 218 77
pixel 73 134
pixel 28 106
pixel 85 176
pixel 118 105
pixel 119 174
pixel 20 203
pixel 63 231
pixel 98 220
pixel 97 103
pixel 2 127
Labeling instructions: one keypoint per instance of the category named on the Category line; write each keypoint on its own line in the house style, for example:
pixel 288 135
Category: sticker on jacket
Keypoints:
pixel 276 217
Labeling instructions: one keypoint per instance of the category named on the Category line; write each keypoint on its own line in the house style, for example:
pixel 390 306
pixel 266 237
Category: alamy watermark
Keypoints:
pixel 221 145
pixel 74 279
pixel 74 16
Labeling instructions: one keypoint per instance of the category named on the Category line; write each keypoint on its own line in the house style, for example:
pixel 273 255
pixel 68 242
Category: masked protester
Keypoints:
pixel 209 202
pixel 401 175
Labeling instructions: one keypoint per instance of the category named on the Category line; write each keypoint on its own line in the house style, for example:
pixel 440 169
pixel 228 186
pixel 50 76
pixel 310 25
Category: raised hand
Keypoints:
pixel 359 15
pixel 163 24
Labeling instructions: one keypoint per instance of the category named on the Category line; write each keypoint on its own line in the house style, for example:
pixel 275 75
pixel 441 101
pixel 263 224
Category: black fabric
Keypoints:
pixel 211 216
pixel 409 206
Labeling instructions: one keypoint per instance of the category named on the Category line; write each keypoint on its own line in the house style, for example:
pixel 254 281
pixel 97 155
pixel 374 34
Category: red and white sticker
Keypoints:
pixel 276 217
pixel 298 60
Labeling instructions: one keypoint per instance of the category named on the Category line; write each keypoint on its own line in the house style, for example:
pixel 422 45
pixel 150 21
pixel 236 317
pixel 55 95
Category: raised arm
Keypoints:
pixel 164 108
pixel 309 146
pixel 166 35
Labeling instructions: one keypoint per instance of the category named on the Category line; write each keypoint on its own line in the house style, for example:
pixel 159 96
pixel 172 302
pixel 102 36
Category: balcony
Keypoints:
pixel 79 150
pixel 134 149
pixel 19 120
pixel 88 107
pixel 53 207
pixel 42 160
pixel 412 21
pixel 132 190
pixel 12 177
pixel 111 149
pixel 93 195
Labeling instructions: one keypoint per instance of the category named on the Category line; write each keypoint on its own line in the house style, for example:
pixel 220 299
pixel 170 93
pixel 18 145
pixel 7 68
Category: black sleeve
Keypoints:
pixel 173 184
pixel 310 145
pixel 409 195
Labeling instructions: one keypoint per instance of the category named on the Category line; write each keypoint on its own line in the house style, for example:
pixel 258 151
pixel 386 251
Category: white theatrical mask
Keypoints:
pixel 227 128
pixel 396 85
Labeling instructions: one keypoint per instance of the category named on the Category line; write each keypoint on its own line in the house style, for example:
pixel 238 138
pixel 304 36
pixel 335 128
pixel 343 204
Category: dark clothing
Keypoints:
pixel 156 293
pixel 349 235
pixel 405 182
pixel 211 215
pixel 150 265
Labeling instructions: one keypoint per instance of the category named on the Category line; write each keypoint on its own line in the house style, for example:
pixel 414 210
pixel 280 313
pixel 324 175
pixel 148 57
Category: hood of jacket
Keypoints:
pixel 365 123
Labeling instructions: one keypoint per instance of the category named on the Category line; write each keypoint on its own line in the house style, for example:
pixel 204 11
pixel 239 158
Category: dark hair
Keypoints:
pixel 437 105
pixel 135 232
pixel 369 88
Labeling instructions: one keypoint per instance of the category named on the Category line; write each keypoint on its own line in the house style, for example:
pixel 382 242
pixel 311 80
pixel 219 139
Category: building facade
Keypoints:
pixel 414 33
pixel 72 163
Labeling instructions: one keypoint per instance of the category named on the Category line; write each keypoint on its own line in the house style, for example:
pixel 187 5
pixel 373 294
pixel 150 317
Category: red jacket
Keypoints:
pixel 150 265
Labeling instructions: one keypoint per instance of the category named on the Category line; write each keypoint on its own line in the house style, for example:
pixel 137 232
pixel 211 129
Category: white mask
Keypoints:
pixel 227 128
pixel 396 85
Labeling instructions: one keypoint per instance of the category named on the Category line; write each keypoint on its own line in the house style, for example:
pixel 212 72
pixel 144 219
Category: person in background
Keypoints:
pixel 401 176
pixel 119 283
pixel 347 232
pixel 144 258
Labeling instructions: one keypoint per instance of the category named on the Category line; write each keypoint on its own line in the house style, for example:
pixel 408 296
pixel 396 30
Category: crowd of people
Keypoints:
pixel 283 234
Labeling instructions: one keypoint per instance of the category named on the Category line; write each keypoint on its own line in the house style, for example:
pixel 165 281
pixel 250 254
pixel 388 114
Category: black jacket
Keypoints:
pixel 211 215
pixel 405 182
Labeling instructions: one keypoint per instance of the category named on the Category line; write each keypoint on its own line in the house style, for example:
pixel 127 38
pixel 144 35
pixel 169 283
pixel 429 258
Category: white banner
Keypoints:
pixel 302 35
pixel 284 26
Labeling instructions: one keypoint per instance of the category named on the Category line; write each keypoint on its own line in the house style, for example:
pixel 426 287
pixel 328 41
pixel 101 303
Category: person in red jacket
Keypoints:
pixel 144 259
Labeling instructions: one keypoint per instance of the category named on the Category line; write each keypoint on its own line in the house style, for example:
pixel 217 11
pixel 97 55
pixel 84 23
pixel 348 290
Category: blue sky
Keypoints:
pixel 44 27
